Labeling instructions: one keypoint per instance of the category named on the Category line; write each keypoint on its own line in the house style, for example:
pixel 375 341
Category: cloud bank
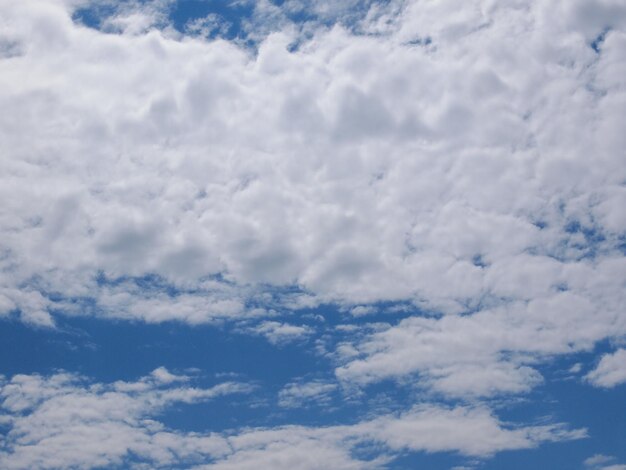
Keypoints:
pixel 67 421
pixel 479 167
pixel 448 179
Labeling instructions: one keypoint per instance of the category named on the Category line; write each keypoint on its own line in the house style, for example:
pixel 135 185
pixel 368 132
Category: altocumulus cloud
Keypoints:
pixel 361 168
pixel 465 162
pixel 64 420
pixel 67 421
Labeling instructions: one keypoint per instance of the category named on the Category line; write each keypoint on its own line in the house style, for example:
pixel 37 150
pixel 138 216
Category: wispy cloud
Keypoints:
pixel 64 421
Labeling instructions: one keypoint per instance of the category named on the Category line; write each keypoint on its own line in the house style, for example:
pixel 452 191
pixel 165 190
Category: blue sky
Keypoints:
pixel 305 235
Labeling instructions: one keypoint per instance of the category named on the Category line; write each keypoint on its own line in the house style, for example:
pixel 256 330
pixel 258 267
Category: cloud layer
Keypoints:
pixel 66 421
pixel 447 180
pixel 455 161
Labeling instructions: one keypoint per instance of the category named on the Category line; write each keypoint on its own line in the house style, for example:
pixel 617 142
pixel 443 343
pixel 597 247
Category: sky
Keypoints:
pixel 349 234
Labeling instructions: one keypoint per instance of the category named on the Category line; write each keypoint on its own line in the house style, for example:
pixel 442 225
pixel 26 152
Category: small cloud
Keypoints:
pixel 603 462
pixel 598 459
pixel 363 310
pixel 611 370
pixel 281 333
pixel 295 395
pixel 162 375
pixel 576 368
pixel 210 25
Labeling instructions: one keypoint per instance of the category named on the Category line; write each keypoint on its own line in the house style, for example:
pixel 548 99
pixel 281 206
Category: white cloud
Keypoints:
pixel 162 375
pixel 64 421
pixel 603 462
pixel 576 368
pixel 362 168
pixel 362 310
pixel 280 333
pixel 483 354
pixel 466 161
pixel 303 394
pixel 471 431
pixel 610 371
pixel 598 460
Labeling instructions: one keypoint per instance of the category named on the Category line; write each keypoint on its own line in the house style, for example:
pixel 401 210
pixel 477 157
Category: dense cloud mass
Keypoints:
pixel 458 161
pixel 460 164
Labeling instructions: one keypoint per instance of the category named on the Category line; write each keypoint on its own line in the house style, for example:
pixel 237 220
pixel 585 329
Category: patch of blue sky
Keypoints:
pixel 579 241
pixel 229 15
pixel 93 14
pixel 108 351
pixel 235 19
pixel 596 44
pixel 600 411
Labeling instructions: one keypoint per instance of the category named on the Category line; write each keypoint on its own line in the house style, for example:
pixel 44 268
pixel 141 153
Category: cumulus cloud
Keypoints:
pixel 465 162
pixel 610 371
pixel 280 333
pixel 361 168
pixel 428 428
pixel 472 432
pixel 66 421
pixel 489 352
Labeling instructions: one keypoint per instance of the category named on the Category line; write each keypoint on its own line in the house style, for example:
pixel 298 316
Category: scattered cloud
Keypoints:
pixel 598 460
pixel 576 368
pixel 303 394
pixel 483 354
pixel 459 167
pixel 610 371
pixel 66 421
pixel 603 462
pixel 362 310
pixel 280 333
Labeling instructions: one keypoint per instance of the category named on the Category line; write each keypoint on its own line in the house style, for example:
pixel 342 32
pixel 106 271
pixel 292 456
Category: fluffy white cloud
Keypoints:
pixel 64 421
pixel 471 431
pixel 279 333
pixel 466 161
pixel 483 354
pixel 610 371
pixel 360 167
